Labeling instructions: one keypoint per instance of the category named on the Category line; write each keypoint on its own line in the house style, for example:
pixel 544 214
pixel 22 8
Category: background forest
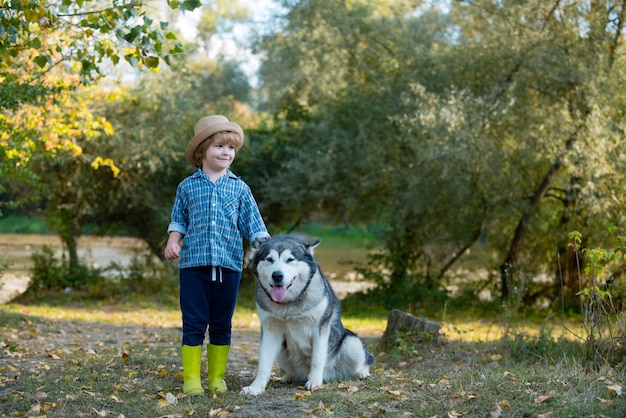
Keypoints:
pixel 442 129
pixel 474 147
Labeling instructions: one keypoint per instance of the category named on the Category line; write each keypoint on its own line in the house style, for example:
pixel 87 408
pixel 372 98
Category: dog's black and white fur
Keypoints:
pixel 300 319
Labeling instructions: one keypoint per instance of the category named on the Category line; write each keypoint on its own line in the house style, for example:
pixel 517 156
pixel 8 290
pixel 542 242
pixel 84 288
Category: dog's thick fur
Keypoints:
pixel 300 319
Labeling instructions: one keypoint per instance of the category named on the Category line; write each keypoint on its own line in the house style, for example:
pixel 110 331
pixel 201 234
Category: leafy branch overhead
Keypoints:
pixel 86 33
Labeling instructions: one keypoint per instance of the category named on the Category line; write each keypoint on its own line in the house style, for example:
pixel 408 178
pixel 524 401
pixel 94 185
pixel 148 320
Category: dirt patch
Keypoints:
pixel 51 341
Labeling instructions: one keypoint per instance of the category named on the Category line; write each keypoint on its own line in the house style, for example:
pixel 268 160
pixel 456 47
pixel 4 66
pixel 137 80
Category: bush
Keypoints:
pixel 602 302
pixel 144 277
pixel 47 272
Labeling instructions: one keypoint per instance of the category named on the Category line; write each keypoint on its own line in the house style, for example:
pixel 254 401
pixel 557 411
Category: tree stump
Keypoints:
pixel 404 325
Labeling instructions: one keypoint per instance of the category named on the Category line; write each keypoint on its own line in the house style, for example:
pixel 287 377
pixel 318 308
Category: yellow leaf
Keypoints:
pixel 300 395
pixel 393 393
pixel 163 403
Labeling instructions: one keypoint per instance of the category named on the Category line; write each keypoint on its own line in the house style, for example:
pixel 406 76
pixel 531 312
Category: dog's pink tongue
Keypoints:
pixel 279 293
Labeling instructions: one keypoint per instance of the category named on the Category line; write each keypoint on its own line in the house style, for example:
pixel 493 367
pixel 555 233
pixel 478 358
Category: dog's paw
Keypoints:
pixel 251 391
pixel 287 378
pixel 363 373
pixel 314 383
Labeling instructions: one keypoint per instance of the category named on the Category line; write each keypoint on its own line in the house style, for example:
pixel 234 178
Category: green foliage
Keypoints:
pixel 50 49
pixel 602 300
pixel 526 348
pixel 486 121
pixel 17 224
pixel 144 278
pixel 87 33
pixel 49 273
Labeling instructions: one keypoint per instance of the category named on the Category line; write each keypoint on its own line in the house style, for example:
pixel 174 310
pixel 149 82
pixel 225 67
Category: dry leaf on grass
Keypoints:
pixel 615 390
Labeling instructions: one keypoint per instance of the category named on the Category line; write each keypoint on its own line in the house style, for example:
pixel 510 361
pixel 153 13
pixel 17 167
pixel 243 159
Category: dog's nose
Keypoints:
pixel 277 276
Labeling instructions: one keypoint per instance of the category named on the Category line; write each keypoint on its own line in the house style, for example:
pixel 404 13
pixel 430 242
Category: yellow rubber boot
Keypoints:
pixel 217 356
pixel 192 360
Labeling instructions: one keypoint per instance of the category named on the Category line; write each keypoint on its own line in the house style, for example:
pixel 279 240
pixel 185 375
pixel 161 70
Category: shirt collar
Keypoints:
pixel 200 173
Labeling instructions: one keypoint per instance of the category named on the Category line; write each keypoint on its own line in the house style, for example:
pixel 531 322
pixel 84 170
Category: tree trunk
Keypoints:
pixel 507 269
pixel 404 325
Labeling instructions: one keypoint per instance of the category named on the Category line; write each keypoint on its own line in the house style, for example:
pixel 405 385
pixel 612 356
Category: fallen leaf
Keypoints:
pixel 299 395
pixel 609 403
pixel 393 393
pixel 496 411
pixel 510 375
pixel 102 413
pixel 541 399
pixel 546 415
pixel 615 390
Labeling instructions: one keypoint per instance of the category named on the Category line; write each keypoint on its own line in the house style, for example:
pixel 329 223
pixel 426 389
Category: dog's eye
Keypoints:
pixel 269 259
pixel 291 259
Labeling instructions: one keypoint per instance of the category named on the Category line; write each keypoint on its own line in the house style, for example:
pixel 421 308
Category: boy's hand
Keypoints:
pixel 172 251
pixel 258 241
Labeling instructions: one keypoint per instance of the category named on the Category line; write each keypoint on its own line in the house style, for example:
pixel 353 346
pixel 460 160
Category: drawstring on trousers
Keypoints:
pixel 216 273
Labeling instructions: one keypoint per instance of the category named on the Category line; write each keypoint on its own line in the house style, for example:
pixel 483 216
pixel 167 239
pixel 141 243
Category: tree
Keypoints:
pixel 48 49
pixel 485 122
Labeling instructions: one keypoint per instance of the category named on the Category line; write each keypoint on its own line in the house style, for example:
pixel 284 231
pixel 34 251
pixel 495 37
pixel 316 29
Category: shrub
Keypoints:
pixel 602 307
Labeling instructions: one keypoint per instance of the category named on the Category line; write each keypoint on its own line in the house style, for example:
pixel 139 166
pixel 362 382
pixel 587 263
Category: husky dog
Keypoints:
pixel 300 319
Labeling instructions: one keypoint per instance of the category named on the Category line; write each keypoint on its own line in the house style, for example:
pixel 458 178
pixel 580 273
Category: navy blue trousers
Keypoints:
pixel 207 299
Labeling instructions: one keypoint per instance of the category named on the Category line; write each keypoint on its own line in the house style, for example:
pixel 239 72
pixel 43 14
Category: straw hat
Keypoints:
pixel 206 127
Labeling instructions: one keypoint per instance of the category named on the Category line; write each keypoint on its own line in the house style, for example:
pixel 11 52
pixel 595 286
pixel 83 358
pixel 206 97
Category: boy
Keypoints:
pixel 213 211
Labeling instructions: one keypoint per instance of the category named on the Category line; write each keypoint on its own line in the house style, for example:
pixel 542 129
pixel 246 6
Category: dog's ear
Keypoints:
pixel 312 246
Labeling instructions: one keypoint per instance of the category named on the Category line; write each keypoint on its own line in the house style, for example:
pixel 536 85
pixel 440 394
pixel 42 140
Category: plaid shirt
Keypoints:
pixel 213 218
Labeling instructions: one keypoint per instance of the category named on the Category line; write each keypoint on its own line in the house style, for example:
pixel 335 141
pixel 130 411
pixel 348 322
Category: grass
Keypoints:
pixel 119 356
pixel 65 361
pixel 18 224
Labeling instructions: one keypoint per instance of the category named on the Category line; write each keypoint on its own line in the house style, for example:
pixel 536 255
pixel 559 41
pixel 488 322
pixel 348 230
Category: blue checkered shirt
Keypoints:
pixel 213 218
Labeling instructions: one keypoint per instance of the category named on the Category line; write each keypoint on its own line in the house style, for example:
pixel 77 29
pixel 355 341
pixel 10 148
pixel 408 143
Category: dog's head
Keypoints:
pixel 284 265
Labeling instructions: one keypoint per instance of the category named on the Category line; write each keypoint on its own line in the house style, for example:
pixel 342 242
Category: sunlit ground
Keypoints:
pixel 246 320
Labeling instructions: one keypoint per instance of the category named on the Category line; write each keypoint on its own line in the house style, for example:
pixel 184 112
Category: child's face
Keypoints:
pixel 219 156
